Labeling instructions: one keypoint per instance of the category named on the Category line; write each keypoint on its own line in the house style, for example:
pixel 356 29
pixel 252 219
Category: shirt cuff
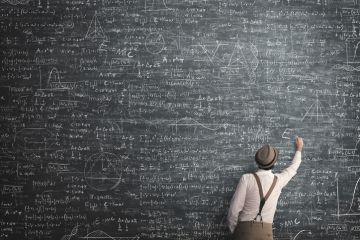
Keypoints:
pixel 232 224
pixel 232 228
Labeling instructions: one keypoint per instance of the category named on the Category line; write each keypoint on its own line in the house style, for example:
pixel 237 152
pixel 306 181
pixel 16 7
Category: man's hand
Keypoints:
pixel 299 144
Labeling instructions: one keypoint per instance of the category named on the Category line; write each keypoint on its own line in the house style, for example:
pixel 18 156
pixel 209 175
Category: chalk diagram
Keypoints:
pixel 73 232
pixel 352 50
pixel 54 78
pixel 316 112
pixel 155 5
pixel 95 32
pixel 178 39
pixel 354 200
pixel 99 235
pixel 95 235
pixel 352 54
pixel 194 123
pixel 31 139
pixel 63 92
pixel 102 171
pixel 211 51
pixel 242 57
pixel 54 75
pixel 302 232
pixel 32 143
pixel 155 42
pixel 250 63
pixel 54 81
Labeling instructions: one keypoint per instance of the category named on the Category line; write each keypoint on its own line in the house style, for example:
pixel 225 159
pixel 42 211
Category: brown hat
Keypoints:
pixel 266 156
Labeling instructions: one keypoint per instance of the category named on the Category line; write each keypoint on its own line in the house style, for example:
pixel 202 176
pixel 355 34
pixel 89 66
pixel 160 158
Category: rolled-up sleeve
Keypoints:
pixel 236 204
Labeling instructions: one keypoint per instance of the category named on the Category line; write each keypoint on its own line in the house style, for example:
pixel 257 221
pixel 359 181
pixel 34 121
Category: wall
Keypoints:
pixel 134 119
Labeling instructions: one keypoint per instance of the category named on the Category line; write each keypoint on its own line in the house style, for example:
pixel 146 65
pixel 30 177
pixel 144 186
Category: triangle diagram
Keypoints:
pixel 155 5
pixel 237 57
pixel 237 60
pixel 316 112
pixel 95 30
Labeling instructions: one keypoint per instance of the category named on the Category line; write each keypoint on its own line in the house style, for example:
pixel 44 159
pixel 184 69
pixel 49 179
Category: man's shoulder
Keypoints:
pixel 247 175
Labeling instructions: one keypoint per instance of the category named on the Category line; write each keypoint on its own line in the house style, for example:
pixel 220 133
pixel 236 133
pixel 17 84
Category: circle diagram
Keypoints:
pixel 155 43
pixel 102 171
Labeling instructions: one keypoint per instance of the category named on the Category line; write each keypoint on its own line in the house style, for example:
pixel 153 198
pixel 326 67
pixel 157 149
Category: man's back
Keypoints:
pixel 245 203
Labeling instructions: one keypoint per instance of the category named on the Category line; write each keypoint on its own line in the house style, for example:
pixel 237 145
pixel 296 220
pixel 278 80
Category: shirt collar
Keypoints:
pixel 262 171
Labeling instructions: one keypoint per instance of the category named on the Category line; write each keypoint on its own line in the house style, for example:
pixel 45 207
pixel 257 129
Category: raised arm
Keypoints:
pixel 291 170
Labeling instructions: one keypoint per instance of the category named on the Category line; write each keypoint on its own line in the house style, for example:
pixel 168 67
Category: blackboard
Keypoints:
pixel 134 119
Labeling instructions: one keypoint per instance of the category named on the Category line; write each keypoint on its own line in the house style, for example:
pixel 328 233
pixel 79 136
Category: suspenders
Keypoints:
pixel 262 198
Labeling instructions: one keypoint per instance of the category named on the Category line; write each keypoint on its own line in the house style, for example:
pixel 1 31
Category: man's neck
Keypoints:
pixel 264 170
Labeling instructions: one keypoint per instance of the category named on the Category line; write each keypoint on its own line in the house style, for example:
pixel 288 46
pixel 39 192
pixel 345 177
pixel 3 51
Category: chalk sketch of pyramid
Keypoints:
pixel 95 30
pixel 250 63
pixel 316 112
pixel 155 5
pixel 237 57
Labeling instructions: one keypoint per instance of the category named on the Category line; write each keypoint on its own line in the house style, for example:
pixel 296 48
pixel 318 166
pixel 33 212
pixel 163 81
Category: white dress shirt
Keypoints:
pixel 245 203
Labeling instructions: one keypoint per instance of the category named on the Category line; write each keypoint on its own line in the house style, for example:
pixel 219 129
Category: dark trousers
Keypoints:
pixel 253 231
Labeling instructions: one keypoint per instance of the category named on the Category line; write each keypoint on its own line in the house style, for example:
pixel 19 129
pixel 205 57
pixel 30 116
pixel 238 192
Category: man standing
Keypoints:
pixel 253 205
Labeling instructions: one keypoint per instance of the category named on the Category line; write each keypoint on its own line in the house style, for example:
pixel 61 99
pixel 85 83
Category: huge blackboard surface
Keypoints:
pixel 134 119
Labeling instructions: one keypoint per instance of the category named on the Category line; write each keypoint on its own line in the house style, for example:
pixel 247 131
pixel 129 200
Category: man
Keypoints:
pixel 253 205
